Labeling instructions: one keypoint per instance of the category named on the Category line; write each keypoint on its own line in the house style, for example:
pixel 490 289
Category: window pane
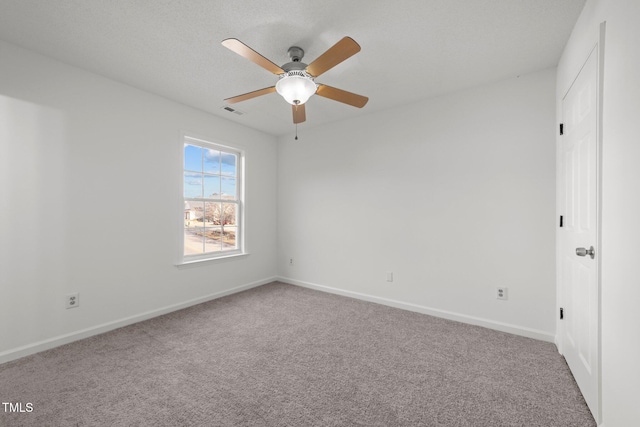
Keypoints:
pixel 212 214
pixel 192 158
pixel 229 240
pixel 229 226
pixel 192 184
pixel 211 187
pixel 212 240
pixel 193 213
pixel 229 214
pixel 193 244
pixel 193 228
pixel 229 164
pixel 229 188
pixel 211 161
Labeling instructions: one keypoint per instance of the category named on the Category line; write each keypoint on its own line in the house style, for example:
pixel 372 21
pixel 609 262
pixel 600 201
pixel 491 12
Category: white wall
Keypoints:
pixel 620 286
pixel 454 195
pixel 90 184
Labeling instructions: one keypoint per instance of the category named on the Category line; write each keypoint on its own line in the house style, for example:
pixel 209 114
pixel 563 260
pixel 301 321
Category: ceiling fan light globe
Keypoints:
pixel 295 89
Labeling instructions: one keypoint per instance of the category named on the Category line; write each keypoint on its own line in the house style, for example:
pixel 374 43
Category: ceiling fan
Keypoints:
pixel 297 79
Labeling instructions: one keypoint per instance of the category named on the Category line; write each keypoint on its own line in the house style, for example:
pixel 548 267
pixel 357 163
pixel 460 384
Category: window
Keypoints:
pixel 212 200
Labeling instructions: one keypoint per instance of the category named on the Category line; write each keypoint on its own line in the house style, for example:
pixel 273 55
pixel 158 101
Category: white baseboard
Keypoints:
pixel 47 344
pixel 491 324
pixel 556 341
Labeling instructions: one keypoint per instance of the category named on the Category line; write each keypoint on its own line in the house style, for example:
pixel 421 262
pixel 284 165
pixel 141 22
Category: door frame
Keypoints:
pixel 598 46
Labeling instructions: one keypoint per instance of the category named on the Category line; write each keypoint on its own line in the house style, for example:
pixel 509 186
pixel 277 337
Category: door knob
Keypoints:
pixel 584 252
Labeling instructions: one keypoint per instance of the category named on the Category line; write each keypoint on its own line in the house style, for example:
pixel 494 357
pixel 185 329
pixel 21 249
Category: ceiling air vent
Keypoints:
pixel 233 110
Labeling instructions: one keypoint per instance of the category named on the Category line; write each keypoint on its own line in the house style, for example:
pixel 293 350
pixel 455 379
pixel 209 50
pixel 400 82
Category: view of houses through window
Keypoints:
pixel 211 199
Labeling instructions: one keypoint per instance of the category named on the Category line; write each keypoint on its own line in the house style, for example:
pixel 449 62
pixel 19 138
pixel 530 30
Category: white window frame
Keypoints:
pixel 240 203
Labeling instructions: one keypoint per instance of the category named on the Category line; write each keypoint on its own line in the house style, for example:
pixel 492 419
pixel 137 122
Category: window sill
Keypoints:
pixel 205 261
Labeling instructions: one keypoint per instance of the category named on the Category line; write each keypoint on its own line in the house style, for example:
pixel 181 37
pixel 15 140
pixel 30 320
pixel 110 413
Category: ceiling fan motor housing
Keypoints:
pixel 296 53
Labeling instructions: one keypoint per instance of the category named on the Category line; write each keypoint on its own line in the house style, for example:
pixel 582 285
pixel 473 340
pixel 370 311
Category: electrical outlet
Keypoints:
pixel 290 261
pixel 389 276
pixel 501 293
pixel 72 300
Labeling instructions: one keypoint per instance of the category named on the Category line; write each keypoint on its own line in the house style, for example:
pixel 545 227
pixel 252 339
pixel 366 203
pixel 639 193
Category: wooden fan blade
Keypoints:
pixel 299 113
pixel 250 95
pixel 342 96
pixel 337 53
pixel 245 51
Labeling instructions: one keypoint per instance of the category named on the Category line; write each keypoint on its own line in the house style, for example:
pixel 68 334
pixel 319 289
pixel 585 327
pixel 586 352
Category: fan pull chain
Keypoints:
pixel 296 138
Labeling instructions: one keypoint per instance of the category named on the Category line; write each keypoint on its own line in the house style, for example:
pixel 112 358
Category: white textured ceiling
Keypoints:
pixel 411 49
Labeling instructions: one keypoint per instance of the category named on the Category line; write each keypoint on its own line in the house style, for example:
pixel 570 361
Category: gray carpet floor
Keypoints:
pixel 281 355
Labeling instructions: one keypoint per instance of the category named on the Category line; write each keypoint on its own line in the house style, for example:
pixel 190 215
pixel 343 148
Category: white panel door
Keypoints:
pixel 579 206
